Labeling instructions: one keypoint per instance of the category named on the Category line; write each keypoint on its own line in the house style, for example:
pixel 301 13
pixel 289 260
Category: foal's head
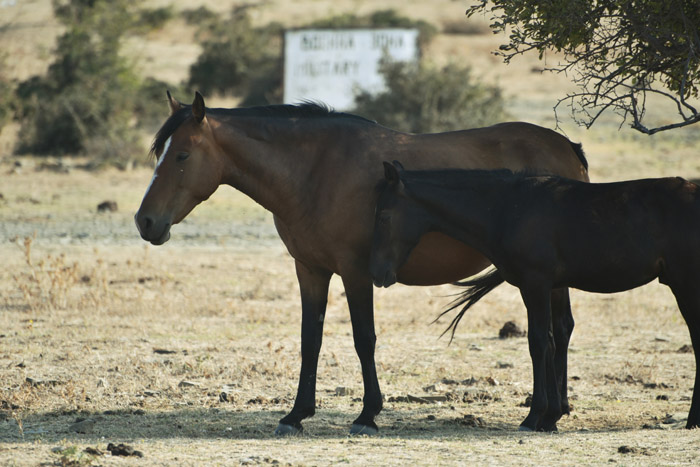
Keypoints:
pixel 189 169
pixel 399 223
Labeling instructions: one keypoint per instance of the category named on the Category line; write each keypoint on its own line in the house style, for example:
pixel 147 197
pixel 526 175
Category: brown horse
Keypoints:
pixel 544 233
pixel 316 170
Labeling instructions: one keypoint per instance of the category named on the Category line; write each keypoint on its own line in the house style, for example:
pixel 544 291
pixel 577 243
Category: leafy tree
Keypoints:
pixel 421 99
pixel 90 101
pixel 618 52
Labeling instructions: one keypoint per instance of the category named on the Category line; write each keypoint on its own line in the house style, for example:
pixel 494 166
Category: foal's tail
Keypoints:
pixel 476 289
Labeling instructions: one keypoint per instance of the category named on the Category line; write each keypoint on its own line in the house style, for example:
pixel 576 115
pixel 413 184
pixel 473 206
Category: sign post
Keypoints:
pixel 329 65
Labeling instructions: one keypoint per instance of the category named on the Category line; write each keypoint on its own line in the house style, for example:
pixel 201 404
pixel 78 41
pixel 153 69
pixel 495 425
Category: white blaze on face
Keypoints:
pixel 166 146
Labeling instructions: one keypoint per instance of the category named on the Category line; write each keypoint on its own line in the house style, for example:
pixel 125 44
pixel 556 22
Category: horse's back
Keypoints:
pixel 512 145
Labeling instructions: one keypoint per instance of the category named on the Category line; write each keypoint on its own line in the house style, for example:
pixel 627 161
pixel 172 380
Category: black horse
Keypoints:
pixel 547 232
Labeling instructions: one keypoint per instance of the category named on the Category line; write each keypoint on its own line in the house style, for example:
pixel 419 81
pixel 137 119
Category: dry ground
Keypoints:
pixel 136 344
pixel 95 325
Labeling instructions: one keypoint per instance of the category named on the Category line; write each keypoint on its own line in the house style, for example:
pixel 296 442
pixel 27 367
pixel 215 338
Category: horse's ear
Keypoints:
pixel 174 104
pixel 198 107
pixel 398 165
pixel 391 173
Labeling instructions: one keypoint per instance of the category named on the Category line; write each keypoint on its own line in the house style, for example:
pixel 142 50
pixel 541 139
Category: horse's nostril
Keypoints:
pixel 146 223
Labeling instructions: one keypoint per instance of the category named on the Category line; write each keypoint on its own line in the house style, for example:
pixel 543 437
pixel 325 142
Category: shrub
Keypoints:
pixel 239 58
pixel 91 100
pixel 6 94
pixel 421 99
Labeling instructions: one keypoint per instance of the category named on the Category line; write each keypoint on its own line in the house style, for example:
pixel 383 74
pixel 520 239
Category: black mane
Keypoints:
pixel 303 110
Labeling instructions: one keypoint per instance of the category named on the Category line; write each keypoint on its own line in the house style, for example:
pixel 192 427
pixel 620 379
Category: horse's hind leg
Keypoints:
pixel 688 298
pixel 546 404
pixel 562 327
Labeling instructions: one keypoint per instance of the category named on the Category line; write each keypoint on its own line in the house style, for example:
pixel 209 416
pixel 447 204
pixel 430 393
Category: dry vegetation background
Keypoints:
pixel 104 339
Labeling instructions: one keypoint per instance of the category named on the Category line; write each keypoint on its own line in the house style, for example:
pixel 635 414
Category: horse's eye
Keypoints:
pixel 181 156
pixel 384 219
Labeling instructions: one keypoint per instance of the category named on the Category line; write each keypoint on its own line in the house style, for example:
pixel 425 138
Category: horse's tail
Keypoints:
pixel 578 149
pixel 476 289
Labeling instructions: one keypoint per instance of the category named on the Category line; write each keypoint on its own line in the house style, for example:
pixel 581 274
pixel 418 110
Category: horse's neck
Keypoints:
pixel 267 161
pixel 466 213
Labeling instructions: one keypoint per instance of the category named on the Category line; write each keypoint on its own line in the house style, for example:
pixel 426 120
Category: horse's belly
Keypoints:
pixel 439 259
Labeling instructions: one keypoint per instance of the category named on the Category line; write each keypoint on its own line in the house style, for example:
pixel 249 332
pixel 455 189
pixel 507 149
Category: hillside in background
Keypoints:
pixel 28 32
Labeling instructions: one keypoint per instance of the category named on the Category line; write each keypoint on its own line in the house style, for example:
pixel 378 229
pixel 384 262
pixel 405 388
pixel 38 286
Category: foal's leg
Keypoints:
pixel 562 327
pixel 359 292
pixel 688 299
pixel 314 297
pixel 545 393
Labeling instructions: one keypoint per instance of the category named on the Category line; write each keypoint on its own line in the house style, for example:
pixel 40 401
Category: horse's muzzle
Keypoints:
pixel 156 231
pixel 385 279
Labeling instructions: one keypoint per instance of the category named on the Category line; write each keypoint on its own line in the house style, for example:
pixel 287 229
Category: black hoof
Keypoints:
pixel 357 429
pixel 288 430
pixel 524 428
pixel 549 428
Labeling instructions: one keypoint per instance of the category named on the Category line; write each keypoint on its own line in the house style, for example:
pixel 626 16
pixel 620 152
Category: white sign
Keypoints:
pixel 328 65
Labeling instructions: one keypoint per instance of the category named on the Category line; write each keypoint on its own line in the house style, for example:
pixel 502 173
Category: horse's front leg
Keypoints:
pixel 313 284
pixel 562 327
pixel 545 394
pixel 359 292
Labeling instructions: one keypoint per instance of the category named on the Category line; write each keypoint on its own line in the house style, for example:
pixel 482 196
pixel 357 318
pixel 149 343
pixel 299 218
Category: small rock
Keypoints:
pixel 107 206
pixel 511 329
pixel 626 450
pixel 188 384
pixel 93 451
pixel 258 400
pixel 504 365
pixel 164 351
pixel 449 381
pixel 343 391
pixel 123 450
pixel 227 394
pixel 685 349
pixel 41 382
pixel 662 397
pixel 470 381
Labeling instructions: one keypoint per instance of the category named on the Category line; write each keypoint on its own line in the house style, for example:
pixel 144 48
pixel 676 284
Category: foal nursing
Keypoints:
pixel 543 233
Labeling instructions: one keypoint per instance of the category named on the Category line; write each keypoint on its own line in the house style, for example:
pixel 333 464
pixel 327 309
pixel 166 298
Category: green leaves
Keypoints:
pixel 423 99
pixel 619 50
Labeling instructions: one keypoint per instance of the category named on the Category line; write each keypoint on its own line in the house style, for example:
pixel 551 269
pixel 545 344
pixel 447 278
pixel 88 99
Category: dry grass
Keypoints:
pixel 228 318
pixel 87 311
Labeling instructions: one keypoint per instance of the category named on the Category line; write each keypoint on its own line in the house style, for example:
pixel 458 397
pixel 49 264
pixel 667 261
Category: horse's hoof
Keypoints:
pixel 288 430
pixel 524 428
pixel 357 429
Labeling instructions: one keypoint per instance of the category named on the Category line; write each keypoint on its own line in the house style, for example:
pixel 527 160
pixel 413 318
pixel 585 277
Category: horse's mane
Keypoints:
pixel 303 110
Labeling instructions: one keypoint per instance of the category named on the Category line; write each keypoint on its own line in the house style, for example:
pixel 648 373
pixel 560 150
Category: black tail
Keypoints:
pixel 476 290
